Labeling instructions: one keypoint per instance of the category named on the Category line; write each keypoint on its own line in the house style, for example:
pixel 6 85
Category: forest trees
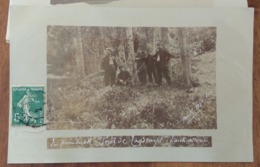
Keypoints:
pixel 130 53
pixel 78 51
pixel 185 57
pixel 77 46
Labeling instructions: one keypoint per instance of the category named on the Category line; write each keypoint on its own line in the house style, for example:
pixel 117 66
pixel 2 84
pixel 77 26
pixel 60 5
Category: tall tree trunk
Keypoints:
pixel 131 54
pixel 102 42
pixel 185 57
pixel 81 30
pixel 143 38
pixel 165 38
pixel 121 35
pixel 157 37
pixel 150 40
pixel 78 54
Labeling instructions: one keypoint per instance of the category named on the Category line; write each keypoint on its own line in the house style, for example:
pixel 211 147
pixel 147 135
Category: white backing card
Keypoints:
pixel 231 141
pixel 140 3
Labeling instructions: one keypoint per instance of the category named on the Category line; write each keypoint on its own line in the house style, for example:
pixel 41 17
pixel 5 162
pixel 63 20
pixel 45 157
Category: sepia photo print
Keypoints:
pixel 131 77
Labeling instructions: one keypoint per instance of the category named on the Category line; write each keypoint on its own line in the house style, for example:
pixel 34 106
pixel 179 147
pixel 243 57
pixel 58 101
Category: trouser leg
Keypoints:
pixel 142 76
pixel 106 78
pixel 154 75
pixel 159 75
pixel 166 74
pixel 112 78
pixel 149 73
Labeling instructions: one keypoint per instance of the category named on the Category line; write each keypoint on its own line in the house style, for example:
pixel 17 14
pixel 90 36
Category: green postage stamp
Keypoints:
pixel 28 106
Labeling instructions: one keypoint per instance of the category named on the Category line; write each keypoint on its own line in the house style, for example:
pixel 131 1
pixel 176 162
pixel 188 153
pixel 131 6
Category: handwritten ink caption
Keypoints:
pixel 129 141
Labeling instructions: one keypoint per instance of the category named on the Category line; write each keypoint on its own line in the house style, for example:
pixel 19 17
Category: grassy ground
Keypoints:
pixel 90 105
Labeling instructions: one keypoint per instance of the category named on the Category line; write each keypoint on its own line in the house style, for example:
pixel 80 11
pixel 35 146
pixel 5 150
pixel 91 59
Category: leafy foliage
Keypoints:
pixel 91 105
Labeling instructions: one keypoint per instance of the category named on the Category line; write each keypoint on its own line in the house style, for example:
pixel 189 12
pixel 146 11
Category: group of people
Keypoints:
pixel 150 68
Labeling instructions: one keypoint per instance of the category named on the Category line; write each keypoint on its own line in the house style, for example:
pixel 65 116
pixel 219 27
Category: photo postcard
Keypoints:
pixel 130 85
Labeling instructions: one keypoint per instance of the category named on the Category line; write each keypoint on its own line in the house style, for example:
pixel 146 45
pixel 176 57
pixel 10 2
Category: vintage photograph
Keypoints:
pixel 131 77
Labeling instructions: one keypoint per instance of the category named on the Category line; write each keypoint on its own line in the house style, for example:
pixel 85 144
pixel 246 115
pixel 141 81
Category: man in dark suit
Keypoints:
pixel 162 65
pixel 141 68
pixel 150 62
pixel 109 65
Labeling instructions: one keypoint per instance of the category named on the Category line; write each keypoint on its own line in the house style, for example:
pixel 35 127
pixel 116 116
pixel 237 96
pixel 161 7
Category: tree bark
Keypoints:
pixel 78 54
pixel 84 53
pixel 185 58
pixel 165 38
pixel 131 55
pixel 121 35
pixel 102 42
pixel 157 38
pixel 150 40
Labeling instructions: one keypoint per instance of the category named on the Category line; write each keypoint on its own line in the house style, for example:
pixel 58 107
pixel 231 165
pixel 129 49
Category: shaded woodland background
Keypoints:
pixel 78 99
